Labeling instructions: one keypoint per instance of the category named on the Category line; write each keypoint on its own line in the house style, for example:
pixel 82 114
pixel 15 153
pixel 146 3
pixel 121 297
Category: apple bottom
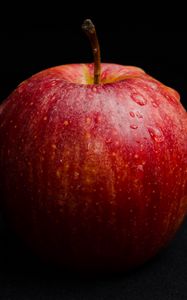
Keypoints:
pixel 90 252
pixel 120 262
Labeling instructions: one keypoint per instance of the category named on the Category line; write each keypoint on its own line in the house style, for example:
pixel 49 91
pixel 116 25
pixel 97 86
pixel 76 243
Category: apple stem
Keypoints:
pixel 89 28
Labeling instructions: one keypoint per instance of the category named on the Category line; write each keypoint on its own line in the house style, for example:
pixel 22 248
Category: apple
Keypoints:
pixel 93 164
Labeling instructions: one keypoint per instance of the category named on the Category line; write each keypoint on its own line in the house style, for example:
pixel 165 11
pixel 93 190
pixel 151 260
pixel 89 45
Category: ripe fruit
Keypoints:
pixel 94 175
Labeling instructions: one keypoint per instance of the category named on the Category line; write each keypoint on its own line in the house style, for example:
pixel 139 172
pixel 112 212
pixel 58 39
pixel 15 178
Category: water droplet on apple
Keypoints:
pixel 134 126
pixel 109 140
pixel 139 115
pixel 140 172
pixel 155 104
pixel 170 98
pixel 76 175
pixel 156 134
pixel 53 82
pixel 153 85
pixel 132 114
pixel 88 120
pixel 140 168
pixel 139 99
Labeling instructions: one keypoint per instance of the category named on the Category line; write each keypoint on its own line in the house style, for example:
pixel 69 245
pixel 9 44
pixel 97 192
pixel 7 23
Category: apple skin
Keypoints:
pixel 94 176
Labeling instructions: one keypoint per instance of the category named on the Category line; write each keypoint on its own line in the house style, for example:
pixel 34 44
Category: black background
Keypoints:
pixel 33 38
pixel 147 35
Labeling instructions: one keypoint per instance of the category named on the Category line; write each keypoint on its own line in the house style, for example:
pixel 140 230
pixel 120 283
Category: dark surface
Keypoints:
pixel 33 39
pixel 22 276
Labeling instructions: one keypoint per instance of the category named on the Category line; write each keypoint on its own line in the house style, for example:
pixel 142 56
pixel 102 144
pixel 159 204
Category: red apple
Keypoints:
pixel 94 175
